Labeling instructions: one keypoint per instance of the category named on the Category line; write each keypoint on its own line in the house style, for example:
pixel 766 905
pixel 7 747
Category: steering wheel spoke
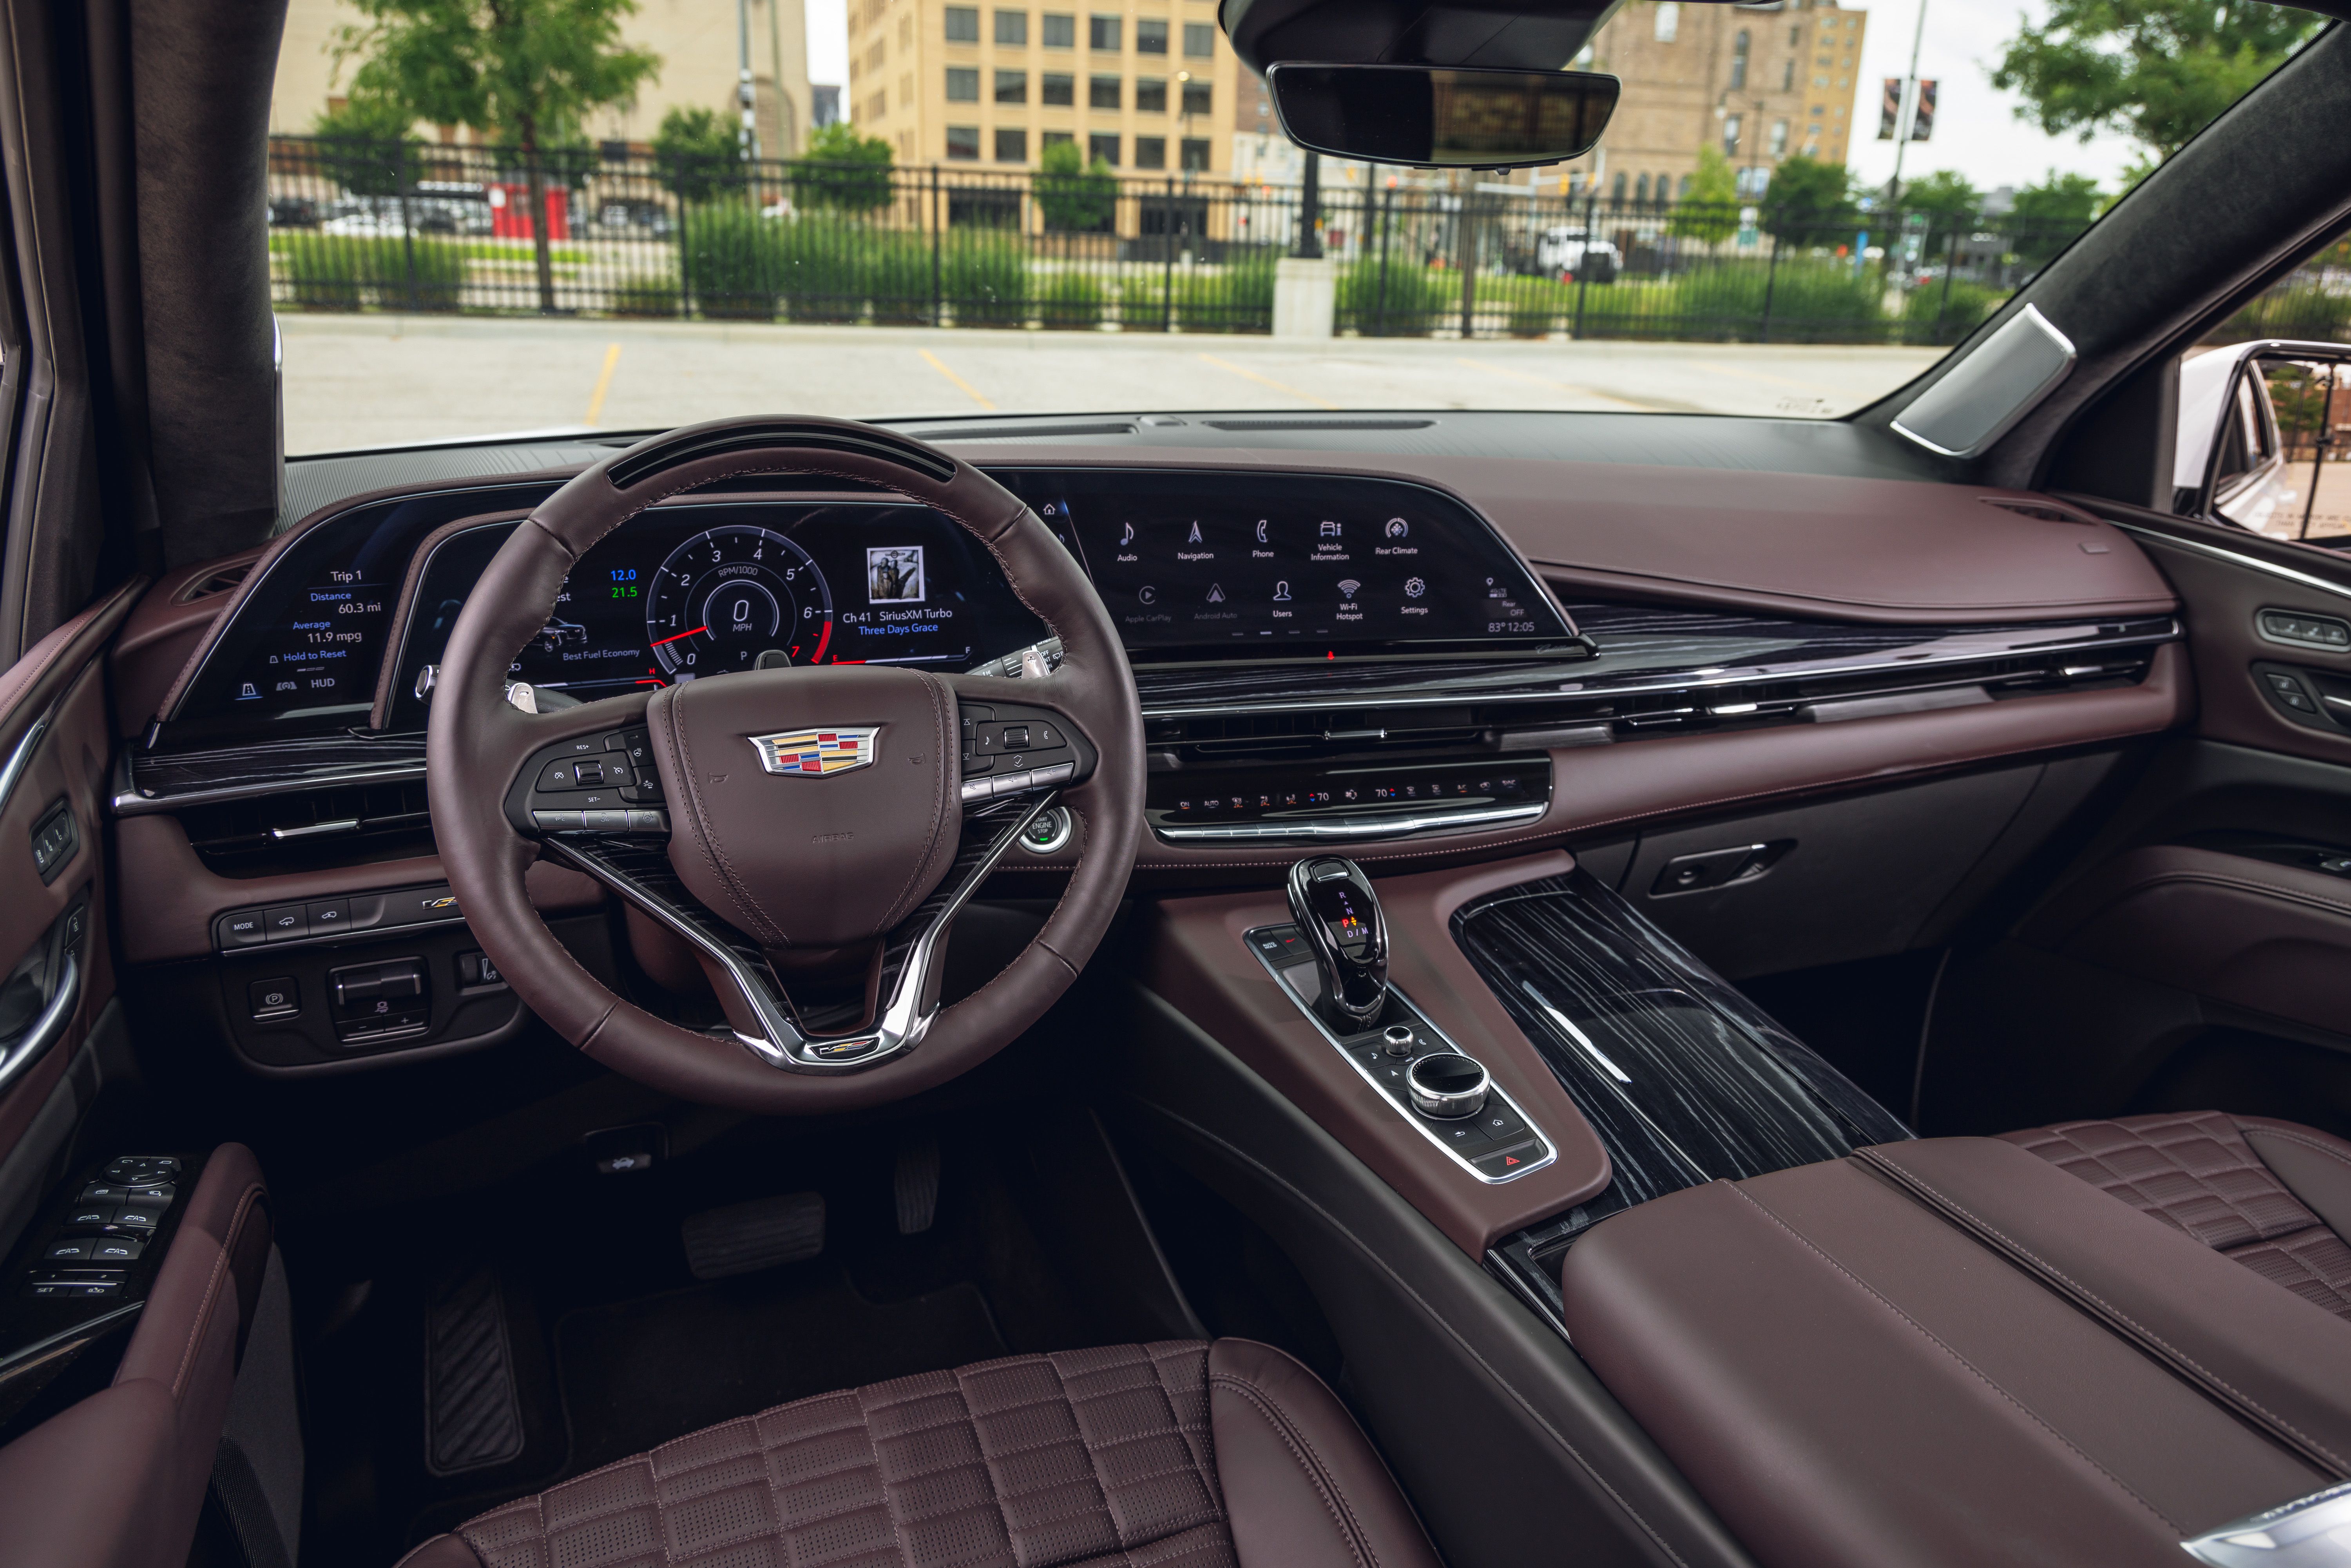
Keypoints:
pixel 639 870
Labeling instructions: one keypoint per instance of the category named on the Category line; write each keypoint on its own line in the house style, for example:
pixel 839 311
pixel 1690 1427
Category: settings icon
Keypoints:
pixel 1414 588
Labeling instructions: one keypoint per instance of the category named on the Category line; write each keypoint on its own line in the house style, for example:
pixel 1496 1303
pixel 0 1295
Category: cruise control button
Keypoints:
pixel 559 777
pixel 1010 783
pixel 648 821
pixel 1060 773
pixel 605 821
pixel 976 789
pixel 974 763
pixel 556 821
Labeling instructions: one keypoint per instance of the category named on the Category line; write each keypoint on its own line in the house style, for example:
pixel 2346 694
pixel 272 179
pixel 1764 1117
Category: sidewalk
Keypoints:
pixel 359 381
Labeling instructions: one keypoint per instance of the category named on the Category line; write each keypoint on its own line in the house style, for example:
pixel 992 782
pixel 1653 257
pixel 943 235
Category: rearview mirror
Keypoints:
pixel 1442 117
pixel 2265 439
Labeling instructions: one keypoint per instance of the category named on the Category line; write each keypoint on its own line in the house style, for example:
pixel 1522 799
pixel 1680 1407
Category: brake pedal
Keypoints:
pixel 743 1237
pixel 917 1185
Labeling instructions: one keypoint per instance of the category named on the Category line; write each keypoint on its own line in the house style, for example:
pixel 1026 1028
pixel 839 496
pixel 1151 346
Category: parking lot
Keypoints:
pixel 375 379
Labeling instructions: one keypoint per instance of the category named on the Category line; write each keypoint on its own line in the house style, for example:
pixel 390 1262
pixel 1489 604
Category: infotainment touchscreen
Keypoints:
pixel 1230 566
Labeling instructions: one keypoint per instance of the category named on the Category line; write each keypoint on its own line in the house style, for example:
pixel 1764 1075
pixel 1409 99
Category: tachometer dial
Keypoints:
pixel 726 596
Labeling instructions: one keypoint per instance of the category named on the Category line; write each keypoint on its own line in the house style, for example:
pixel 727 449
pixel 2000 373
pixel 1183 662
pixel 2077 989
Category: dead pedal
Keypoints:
pixel 917 1185
pixel 745 1236
pixel 472 1408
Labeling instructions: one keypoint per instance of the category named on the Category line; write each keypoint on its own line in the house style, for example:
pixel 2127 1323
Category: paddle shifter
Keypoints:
pixel 1338 913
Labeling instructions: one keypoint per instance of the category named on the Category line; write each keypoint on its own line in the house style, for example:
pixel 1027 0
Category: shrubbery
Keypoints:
pixel 348 272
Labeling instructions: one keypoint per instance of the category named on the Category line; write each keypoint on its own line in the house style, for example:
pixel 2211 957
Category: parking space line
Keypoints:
pixel 603 384
pixel 961 385
pixel 1555 386
pixel 1268 381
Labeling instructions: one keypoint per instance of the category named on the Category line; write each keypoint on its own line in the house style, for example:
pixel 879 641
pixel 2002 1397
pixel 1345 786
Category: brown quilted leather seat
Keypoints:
pixel 2274 1195
pixel 1176 1455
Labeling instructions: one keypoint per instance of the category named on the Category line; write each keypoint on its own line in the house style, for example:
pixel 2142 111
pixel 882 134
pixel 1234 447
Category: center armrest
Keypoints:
pixel 1950 1352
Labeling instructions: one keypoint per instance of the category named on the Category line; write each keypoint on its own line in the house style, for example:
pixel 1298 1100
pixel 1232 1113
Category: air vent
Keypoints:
pixel 281 833
pixel 218 583
pixel 1267 424
pixel 1023 432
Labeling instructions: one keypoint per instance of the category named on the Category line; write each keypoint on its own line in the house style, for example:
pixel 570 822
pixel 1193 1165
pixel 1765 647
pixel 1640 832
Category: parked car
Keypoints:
pixel 293 212
pixel 1567 252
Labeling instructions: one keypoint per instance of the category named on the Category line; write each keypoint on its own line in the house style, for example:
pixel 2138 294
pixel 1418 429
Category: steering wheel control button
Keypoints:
pixel 556 821
pixel 278 998
pixel 605 821
pixel 1445 1084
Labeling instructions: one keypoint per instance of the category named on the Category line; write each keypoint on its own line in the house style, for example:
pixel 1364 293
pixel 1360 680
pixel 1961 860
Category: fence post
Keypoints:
pixel 1465 256
pixel 684 264
pixel 1951 265
pixel 1771 285
pixel 1584 267
pixel 939 297
pixel 408 229
pixel 1167 265
pixel 1387 227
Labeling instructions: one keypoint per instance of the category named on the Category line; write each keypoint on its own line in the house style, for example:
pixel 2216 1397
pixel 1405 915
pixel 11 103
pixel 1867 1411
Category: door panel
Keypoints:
pixel 55 967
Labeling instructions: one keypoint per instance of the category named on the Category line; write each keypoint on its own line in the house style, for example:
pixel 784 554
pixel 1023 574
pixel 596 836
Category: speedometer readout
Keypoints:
pixel 726 596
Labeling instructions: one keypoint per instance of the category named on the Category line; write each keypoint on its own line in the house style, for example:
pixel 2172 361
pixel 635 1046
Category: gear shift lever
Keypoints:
pixel 1333 903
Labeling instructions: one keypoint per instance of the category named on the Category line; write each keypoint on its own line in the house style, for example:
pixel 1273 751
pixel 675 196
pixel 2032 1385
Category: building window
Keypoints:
pixel 1011 146
pixel 1616 191
pixel 1150 151
pixel 1012 87
pixel 1101 92
pixel 1150 36
pixel 962 83
pixel 1640 189
pixel 1194 153
pixel 962 27
pixel 1104 148
pixel 1057 89
pixel 1103 32
pixel 963 142
pixel 1149 98
pixel 1012 28
pixel 1054 139
pixel 1196 97
pixel 1738 51
pixel 1730 129
pixel 1818 112
pixel 1669 21
pixel 1779 138
pixel 1060 31
pixel 1683 193
pixel 1787 76
pixel 1795 38
pixel 1199 40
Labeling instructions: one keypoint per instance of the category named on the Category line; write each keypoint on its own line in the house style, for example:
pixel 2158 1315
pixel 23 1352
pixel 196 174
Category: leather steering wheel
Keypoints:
pixel 771 868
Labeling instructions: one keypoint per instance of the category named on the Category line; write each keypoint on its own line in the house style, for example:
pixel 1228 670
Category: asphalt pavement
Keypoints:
pixel 372 380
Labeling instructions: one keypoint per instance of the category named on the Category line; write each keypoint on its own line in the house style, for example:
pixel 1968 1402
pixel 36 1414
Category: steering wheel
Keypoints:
pixel 814 818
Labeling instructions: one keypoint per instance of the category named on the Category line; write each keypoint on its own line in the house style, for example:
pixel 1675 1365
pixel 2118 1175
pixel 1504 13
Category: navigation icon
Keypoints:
pixel 1398 527
pixel 1215 593
pixel 1347 586
pixel 1281 593
pixel 1193 536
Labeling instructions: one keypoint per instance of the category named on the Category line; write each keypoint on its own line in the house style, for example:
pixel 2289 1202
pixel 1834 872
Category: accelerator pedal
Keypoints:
pixel 917 1184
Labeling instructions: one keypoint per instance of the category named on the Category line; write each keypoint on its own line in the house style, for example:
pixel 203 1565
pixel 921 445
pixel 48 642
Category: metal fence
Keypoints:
pixel 423 227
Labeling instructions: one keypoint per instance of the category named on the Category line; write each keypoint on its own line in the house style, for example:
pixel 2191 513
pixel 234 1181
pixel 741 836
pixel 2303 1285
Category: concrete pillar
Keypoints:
pixel 1305 297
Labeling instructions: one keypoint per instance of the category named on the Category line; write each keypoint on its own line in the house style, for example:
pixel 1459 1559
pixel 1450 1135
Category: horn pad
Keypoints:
pixel 846 835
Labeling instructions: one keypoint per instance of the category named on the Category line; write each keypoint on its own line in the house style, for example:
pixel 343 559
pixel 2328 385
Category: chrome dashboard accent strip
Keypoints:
pixel 1350 827
pixel 1550 1145
pixel 2313 1531
pixel 2249 562
pixel 13 773
pixel 127 802
pixel 1675 680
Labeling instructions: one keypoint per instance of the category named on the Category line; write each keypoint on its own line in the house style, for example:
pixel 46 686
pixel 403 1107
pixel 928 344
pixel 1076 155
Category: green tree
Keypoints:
pixel 2158 71
pixel 360 146
pixel 698 153
pixel 1810 202
pixel 844 170
pixel 2048 216
pixel 1072 195
pixel 1708 210
pixel 529 70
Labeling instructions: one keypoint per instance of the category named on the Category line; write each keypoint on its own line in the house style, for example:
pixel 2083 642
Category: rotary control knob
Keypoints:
pixel 1448 1085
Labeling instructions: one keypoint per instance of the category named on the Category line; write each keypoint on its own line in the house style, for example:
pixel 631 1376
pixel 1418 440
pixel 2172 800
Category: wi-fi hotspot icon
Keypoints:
pixel 1347 585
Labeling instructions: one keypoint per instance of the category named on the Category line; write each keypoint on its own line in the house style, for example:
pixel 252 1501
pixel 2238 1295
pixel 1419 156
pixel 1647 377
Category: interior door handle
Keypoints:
pixel 17 1056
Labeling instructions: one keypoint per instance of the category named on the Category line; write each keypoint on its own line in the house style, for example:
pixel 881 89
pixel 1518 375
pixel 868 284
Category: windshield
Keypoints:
pixel 942 209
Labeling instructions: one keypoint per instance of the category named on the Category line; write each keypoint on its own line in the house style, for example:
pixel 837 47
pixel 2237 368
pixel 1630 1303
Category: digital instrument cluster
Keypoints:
pixel 684 592
pixel 1226 567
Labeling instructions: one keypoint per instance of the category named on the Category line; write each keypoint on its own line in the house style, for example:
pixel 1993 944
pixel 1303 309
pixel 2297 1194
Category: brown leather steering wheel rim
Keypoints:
pixel 476 742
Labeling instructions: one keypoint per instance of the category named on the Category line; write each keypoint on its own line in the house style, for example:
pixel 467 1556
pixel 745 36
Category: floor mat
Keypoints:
pixel 637 1374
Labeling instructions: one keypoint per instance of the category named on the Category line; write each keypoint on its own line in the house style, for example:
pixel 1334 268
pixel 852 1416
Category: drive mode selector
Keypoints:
pixel 1448 1085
